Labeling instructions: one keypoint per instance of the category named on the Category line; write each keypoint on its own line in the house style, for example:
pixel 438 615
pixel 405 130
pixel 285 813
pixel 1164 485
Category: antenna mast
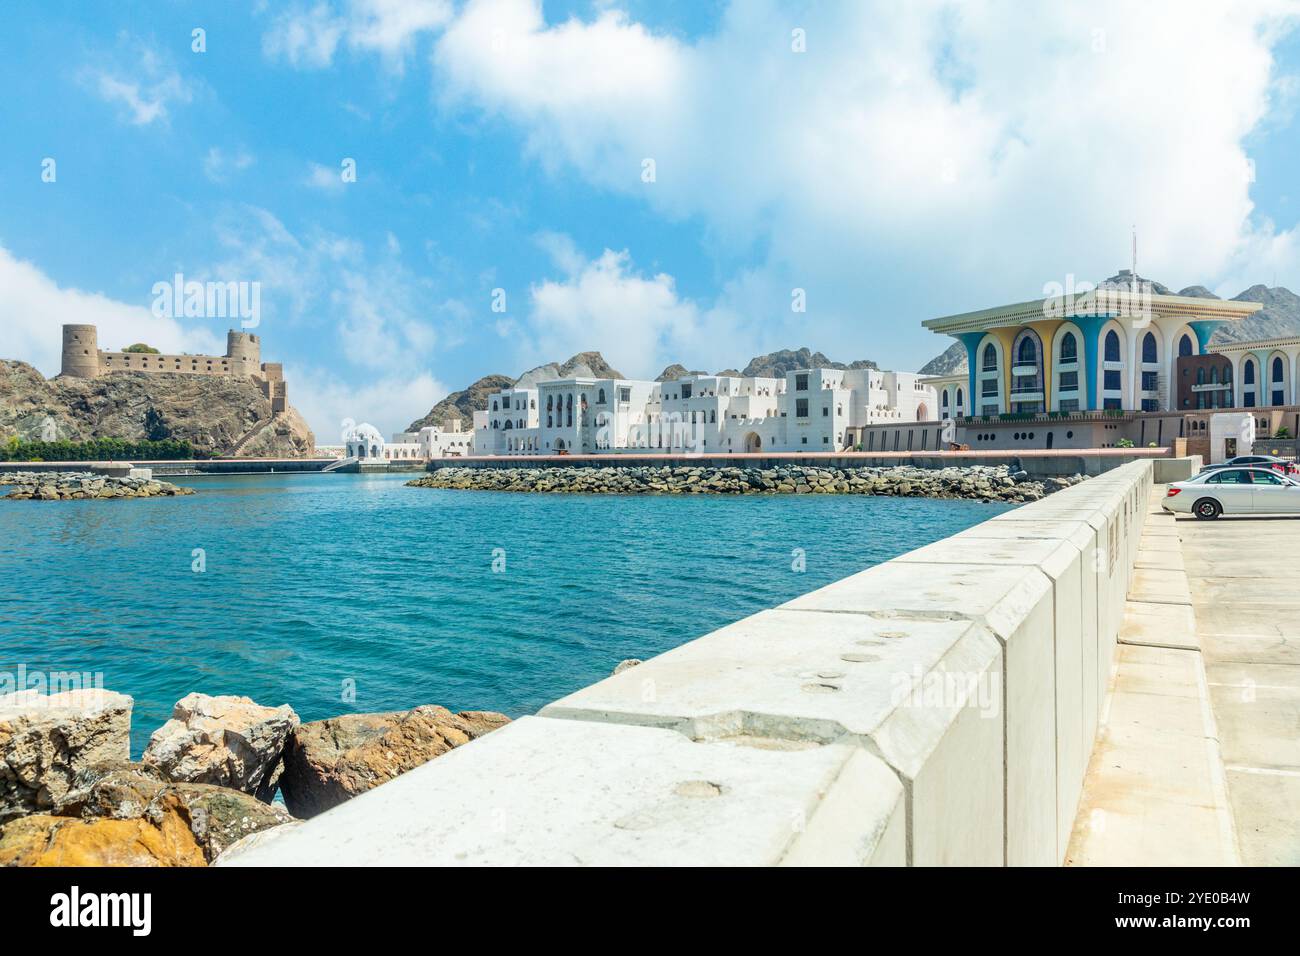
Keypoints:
pixel 1135 259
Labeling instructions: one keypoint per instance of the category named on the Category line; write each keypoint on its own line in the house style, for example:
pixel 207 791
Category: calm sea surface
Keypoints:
pixel 317 583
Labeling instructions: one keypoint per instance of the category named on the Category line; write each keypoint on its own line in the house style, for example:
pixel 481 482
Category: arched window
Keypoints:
pixel 1248 373
pixel 1112 346
pixel 1069 348
pixel 1278 369
pixel 1149 348
pixel 549 399
pixel 1185 346
pixel 600 397
pixel 1027 354
pixel 944 399
pixel 959 398
pixel 990 358
pixel 1200 376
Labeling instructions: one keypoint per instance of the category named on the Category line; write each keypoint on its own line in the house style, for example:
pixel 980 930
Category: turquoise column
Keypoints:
pixel 1090 327
pixel 1204 329
pixel 972 342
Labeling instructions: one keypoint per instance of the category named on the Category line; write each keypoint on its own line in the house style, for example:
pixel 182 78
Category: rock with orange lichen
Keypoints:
pixel 43 840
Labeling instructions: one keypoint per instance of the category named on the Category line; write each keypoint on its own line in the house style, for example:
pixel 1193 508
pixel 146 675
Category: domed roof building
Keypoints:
pixel 365 442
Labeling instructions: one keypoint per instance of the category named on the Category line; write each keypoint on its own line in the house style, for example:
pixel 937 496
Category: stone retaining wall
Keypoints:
pixel 936 709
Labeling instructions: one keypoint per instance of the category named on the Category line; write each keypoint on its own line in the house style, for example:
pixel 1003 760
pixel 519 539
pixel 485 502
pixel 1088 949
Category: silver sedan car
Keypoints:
pixel 1234 491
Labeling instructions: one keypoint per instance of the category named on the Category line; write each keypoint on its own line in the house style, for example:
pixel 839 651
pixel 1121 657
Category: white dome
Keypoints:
pixel 364 441
pixel 365 432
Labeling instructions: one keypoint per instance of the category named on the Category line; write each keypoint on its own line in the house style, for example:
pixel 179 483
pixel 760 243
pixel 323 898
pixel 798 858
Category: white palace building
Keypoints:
pixel 813 410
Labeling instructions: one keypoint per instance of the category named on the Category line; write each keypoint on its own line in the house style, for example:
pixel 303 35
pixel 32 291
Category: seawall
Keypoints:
pixel 937 709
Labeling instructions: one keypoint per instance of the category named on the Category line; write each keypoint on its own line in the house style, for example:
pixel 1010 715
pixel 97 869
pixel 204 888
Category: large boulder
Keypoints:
pixel 45 740
pixel 44 840
pixel 218 817
pixel 228 741
pixel 329 761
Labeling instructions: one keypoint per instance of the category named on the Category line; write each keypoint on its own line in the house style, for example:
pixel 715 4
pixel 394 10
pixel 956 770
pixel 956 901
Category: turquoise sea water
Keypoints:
pixel 315 581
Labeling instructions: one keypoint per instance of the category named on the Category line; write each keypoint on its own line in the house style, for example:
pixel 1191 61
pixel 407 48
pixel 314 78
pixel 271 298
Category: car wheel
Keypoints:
pixel 1207 509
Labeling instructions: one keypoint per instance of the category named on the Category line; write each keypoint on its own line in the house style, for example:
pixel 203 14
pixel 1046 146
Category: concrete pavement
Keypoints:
pixel 1244 576
pixel 1198 758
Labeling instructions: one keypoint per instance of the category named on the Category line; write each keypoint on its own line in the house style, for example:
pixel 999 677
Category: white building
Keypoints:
pixel 365 443
pixel 449 441
pixel 806 410
pixel 952 390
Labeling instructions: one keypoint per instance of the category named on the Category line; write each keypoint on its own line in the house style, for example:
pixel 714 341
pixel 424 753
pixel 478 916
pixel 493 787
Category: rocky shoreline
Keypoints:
pixel 80 485
pixel 978 482
pixel 204 787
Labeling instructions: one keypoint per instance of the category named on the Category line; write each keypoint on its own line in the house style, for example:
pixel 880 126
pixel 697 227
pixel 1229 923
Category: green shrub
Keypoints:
pixel 98 449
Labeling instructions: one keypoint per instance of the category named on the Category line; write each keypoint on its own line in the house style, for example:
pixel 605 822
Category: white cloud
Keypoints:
pixel 638 322
pixel 219 165
pixel 383 324
pixel 916 158
pixel 34 309
pixel 308 37
pixel 305 36
pixel 323 178
pixel 139 82
pixel 390 403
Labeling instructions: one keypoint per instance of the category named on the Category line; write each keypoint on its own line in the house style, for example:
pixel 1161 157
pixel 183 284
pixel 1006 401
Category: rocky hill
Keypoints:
pixel 673 372
pixel 776 364
pixel 211 413
pixel 462 405
pixel 1279 318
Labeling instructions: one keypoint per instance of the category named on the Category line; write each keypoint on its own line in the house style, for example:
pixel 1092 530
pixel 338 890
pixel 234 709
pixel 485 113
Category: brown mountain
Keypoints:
pixel 462 405
pixel 776 364
pixel 212 413
pixel 673 372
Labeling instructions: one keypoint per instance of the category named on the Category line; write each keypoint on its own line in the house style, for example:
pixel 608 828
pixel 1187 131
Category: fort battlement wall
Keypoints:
pixel 937 709
pixel 83 358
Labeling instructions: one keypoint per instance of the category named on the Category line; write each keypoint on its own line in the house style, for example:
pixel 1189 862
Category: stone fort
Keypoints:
pixel 83 358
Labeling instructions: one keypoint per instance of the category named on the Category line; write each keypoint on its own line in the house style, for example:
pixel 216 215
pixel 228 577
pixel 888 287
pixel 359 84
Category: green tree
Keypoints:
pixel 141 347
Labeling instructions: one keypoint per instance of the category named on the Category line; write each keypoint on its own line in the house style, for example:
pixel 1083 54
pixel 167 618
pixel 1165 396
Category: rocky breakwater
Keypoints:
pixel 71 796
pixel 80 485
pixel 979 482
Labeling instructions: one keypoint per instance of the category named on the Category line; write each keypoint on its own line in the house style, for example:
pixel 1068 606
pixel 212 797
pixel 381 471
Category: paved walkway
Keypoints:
pixel 1198 758
pixel 1244 575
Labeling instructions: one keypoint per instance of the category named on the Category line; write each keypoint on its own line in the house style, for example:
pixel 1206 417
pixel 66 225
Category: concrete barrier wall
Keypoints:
pixel 937 709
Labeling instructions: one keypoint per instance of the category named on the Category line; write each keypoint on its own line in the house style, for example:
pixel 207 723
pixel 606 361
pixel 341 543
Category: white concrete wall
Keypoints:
pixel 936 709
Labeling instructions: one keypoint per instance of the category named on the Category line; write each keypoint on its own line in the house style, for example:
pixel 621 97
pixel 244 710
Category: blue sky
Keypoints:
pixel 911 160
